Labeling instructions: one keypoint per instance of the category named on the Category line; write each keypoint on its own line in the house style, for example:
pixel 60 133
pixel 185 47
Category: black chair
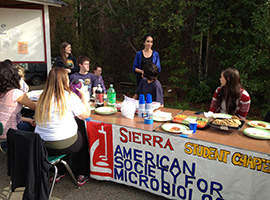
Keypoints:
pixel 267 117
pixel 29 164
pixel 3 144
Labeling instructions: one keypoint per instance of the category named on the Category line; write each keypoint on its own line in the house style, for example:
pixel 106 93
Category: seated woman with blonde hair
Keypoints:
pixel 230 97
pixel 55 121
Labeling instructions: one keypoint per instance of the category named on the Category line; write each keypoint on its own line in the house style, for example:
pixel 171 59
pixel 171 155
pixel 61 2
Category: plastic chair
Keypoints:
pixel 58 159
pixel 1 128
pixel 3 145
pixel 267 117
pixel 27 152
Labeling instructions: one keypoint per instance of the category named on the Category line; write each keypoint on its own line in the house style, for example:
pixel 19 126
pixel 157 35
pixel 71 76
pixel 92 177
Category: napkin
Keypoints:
pixel 128 107
pixel 208 114
pixel 163 116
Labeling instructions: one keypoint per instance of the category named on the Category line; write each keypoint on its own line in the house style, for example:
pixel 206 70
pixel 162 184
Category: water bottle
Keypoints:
pixel 99 97
pixel 111 96
pixel 149 106
pixel 141 110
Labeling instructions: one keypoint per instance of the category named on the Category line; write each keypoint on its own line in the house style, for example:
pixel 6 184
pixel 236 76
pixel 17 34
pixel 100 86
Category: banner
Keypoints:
pixel 176 167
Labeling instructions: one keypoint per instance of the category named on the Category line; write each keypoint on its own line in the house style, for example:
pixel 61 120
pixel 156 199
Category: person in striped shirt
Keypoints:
pixel 231 98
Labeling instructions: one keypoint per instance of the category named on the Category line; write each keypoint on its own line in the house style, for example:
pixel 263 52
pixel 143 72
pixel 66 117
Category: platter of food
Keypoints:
pixel 174 127
pixel 184 119
pixel 259 124
pixel 105 110
pixel 227 124
pixel 257 133
pixel 179 118
pixel 202 123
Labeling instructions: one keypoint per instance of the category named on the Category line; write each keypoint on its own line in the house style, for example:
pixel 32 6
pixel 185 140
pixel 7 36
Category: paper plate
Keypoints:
pixel 105 110
pixel 34 94
pixel 222 116
pixel 92 108
pixel 259 124
pixel 161 116
pixel 161 119
pixel 257 133
pixel 174 128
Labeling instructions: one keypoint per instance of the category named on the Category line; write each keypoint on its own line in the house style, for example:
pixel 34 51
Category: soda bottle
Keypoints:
pixel 111 96
pixel 99 97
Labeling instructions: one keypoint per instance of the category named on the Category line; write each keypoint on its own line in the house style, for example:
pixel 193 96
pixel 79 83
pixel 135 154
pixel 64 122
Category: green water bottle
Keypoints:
pixel 111 96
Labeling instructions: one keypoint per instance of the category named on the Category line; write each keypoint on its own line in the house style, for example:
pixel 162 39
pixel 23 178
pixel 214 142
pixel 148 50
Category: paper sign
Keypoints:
pixel 5 45
pixel 22 47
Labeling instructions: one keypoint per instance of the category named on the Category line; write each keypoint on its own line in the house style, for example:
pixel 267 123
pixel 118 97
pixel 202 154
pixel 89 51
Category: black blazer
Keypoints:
pixel 28 165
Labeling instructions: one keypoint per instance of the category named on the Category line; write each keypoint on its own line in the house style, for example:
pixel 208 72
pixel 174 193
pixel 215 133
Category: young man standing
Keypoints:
pixel 84 76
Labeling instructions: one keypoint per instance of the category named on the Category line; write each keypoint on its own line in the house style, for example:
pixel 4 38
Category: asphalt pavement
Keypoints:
pixel 65 189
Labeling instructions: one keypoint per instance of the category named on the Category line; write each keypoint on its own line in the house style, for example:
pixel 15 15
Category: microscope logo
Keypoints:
pixel 101 148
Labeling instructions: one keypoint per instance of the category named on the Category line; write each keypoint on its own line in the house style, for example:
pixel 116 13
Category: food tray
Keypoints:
pixel 226 128
pixel 185 121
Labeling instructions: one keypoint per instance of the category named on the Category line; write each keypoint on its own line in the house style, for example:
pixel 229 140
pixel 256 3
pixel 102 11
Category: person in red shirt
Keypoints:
pixel 230 97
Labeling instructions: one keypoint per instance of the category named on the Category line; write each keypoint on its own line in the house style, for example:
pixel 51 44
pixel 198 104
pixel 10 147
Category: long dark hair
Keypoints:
pixel 146 36
pixel 231 92
pixel 63 53
pixel 9 77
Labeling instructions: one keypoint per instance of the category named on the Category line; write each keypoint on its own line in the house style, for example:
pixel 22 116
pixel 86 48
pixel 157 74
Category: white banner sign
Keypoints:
pixel 176 167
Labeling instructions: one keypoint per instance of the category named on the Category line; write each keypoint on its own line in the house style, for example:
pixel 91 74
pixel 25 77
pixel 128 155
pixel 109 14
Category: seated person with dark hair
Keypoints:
pixel 267 117
pixel 149 84
pixel 88 79
pixel 97 72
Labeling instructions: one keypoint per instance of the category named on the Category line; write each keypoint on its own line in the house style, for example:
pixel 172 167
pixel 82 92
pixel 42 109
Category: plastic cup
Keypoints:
pixel 141 99
pixel 149 98
pixel 193 126
pixel 148 121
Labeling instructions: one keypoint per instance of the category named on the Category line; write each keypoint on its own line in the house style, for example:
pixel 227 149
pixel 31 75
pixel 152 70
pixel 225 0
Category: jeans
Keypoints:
pixel 25 126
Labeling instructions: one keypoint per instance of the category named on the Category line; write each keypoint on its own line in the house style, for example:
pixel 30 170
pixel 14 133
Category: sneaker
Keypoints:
pixel 58 177
pixel 3 147
pixel 81 179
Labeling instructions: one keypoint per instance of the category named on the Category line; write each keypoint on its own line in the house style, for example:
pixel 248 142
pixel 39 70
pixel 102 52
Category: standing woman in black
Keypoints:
pixel 145 56
pixel 66 60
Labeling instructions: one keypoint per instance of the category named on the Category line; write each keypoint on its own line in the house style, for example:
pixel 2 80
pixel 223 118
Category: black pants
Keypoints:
pixel 79 152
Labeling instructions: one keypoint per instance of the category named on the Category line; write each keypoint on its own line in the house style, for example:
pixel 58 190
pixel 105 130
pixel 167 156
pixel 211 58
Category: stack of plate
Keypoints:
pixel 260 130
pixel 162 116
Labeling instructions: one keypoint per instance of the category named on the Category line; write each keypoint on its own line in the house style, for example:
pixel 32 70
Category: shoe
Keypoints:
pixel 58 177
pixel 3 147
pixel 81 179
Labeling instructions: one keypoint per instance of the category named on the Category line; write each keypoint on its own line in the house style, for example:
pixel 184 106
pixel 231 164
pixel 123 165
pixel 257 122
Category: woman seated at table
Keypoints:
pixel 12 99
pixel 230 97
pixel 55 122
